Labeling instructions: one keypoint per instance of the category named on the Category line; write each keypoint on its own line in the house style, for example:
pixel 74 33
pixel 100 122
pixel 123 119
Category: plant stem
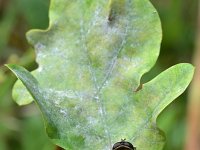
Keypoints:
pixel 193 121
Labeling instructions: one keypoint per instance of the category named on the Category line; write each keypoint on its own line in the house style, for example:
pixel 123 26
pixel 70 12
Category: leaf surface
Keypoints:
pixel 91 59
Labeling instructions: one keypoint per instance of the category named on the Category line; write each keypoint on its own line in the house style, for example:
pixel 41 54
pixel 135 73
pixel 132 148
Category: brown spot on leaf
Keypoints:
pixel 139 88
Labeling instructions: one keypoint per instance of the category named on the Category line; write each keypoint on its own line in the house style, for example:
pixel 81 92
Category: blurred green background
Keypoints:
pixel 21 128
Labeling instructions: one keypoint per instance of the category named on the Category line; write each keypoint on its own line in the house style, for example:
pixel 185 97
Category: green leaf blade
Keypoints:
pixel 91 59
pixel 156 95
pixel 36 92
pixel 124 43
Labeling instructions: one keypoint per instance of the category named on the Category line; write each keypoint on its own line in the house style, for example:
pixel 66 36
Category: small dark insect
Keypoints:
pixel 123 145
pixel 110 17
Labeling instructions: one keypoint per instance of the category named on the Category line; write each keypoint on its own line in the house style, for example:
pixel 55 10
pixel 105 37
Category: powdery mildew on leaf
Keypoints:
pixel 91 60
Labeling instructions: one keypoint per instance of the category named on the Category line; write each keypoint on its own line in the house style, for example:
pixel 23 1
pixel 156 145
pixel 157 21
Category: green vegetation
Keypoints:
pixel 64 57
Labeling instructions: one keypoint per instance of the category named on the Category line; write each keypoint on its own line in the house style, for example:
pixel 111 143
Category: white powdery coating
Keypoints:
pixel 63 112
pixel 60 96
pixel 62 50
pixel 40 69
pixel 39 48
